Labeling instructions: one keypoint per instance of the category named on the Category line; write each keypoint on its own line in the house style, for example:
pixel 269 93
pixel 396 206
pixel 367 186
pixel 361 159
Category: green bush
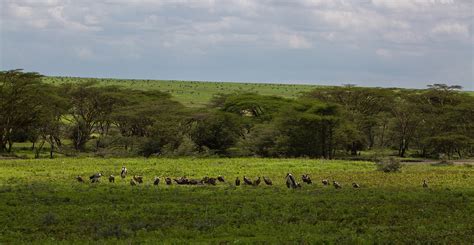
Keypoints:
pixel 389 165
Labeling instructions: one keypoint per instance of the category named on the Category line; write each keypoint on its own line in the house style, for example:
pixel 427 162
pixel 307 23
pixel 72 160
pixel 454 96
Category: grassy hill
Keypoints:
pixel 194 93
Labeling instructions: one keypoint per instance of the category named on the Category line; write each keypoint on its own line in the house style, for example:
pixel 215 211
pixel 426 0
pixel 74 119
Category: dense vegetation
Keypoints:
pixel 41 202
pixel 327 122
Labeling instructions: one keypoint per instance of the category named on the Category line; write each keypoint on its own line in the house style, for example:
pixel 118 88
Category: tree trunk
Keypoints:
pixel 353 149
pixel 51 149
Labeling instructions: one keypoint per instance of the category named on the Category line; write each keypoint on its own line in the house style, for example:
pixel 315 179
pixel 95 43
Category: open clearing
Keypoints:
pixel 41 202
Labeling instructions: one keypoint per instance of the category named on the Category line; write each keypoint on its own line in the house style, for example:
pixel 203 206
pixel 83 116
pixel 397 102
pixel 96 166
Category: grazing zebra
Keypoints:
pixel 132 182
pixel 123 173
pixel 267 180
pixel 355 185
pixel 425 184
pixel 156 181
pixel 168 181
pixel 112 179
pixel 337 185
pixel 325 182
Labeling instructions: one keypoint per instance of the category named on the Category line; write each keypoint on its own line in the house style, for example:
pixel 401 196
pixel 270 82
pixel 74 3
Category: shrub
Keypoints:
pixel 389 165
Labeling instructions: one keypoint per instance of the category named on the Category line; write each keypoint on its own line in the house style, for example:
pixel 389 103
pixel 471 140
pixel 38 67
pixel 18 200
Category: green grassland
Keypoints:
pixel 41 202
pixel 193 93
pixel 196 93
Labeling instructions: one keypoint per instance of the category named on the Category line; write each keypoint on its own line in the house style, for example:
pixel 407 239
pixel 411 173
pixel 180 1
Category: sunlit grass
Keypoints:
pixel 41 201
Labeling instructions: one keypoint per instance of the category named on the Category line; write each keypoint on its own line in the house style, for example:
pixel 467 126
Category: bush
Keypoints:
pixel 390 165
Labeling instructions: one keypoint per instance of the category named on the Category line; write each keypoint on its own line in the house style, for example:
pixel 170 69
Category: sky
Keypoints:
pixel 386 43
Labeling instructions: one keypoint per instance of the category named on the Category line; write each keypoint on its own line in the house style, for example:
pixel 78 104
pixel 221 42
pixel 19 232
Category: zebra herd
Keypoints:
pixel 290 180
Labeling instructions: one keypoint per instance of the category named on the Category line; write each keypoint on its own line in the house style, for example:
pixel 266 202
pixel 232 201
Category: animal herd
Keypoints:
pixel 290 180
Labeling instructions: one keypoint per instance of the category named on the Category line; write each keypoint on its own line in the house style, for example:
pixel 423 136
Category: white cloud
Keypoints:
pixel 451 29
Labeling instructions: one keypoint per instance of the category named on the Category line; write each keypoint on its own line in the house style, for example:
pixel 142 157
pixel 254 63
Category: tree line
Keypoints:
pixel 327 122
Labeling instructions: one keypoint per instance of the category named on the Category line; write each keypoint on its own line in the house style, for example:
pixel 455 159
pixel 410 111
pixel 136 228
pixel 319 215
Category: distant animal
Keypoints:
pixel 355 185
pixel 257 181
pixel 193 182
pixel 168 181
pixel 306 179
pixel 220 178
pixel 132 182
pixel 291 182
pixel 267 180
pixel 212 181
pixel 425 184
pixel 123 173
pixel 337 185
pixel 112 179
pixel 325 182
pixel 156 181
pixel 80 179
pixel 181 181
pixel 237 181
pixel 95 178
pixel 138 179
pixel 205 180
pixel 247 181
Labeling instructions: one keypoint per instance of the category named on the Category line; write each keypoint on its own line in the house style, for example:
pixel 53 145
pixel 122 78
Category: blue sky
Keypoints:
pixel 399 43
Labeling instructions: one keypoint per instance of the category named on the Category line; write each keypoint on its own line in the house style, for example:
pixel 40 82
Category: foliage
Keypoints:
pixel 389 165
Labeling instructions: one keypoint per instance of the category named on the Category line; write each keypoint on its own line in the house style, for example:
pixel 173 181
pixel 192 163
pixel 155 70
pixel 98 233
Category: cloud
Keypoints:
pixel 451 29
pixel 184 31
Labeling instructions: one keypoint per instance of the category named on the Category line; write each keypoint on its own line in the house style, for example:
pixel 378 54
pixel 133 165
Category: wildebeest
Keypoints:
pixel 112 178
pixel 355 185
pixel 237 181
pixel 181 181
pixel 156 181
pixel 95 178
pixel 247 181
pixel 267 180
pixel 291 182
pixel 220 178
pixel 425 184
pixel 212 181
pixel 80 179
pixel 325 182
pixel 337 185
pixel 193 182
pixel 306 179
pixel 168 181
pixel 205 180
pixel 123 173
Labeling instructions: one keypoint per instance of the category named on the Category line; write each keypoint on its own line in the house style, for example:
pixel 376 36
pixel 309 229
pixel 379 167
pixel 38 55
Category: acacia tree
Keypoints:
pixel 22 99
pixel 90 106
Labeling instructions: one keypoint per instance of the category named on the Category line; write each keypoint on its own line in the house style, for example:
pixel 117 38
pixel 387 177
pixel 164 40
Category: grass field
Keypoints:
pixel 192 93
pixel 40 202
